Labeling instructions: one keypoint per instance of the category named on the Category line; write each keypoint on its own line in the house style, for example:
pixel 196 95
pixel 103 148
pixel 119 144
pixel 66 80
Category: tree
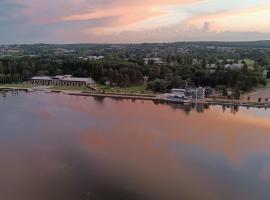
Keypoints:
pixel 224 91
pixel 204 63
pixel 158 85
pixel 1 68
pixel 237 91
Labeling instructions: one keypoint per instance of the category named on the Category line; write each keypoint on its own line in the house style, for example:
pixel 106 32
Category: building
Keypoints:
pixel 198 93
pixel 266 73
pixel 66 80
pixel 91 58
pixel 95 57
pixel 177 96
pixel 195 61
pixel 157 61
pixel 145 80
pixel 179 91
pixel 234 66
pixel 211 67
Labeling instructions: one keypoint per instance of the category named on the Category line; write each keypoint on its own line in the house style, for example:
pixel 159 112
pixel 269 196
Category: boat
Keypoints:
pixel 176 98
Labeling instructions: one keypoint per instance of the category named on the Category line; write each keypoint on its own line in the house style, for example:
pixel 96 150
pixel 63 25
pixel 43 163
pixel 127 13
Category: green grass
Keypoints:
pixel 16 85
pixel 249 62
pixel 268 82
pixel 135 89
pixel 264 86
pixel 71 88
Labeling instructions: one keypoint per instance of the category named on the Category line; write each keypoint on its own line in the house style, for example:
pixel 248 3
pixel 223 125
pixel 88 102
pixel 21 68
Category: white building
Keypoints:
pixel 197 93
pixel 179 91
pixel 211 67
pixel 91 58
pixel 234 66
pixel 157 61
pixel 177 96
pixel 200 93
pixel 185 95
pixel 66 80
pixel 95 57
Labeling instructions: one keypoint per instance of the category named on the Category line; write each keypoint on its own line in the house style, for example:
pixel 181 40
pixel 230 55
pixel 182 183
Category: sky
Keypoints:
pixel 133 21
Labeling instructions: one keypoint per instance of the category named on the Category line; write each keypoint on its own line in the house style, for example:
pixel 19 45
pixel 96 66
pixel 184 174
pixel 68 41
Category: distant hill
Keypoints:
pixel 242 44
pixel 247 44
pixel 133 50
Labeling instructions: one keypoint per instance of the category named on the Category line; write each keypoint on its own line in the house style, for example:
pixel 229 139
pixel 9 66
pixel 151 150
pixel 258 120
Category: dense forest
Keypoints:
pixel 125 72
pixel 124 65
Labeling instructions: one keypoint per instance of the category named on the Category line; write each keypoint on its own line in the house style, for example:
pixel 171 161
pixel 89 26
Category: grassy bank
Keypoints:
pixel 262 92
pixel 265 86
pixel 135 89
pixel 71 88
pixel 17 85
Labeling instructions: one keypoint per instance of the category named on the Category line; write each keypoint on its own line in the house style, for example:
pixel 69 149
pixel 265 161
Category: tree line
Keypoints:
pixel 124 72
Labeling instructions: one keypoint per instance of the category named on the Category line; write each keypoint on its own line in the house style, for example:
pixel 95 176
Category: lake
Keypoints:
pixel 60 147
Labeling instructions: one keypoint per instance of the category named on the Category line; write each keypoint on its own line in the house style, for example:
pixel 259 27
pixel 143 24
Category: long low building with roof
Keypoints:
pixel 66 80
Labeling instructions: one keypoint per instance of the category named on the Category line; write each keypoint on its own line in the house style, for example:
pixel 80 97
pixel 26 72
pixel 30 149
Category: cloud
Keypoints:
pixel 173 33
pixel 251 18
pixel 131 11
pixel 8 9
pixel 27 21
pixel 206 26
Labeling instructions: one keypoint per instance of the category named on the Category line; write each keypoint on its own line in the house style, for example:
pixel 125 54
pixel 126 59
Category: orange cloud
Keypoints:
pixel 124 13
pixel 253 18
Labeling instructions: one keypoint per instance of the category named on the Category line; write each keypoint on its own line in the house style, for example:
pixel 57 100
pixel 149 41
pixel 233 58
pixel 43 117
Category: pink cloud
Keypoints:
pixel 233 19
pixel 126 12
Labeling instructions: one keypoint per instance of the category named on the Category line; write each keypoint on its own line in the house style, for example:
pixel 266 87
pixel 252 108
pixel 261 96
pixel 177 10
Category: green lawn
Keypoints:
pixel 72 88
pixel 135 89
pixel 249 62
pixel 264 86
pixel 16 85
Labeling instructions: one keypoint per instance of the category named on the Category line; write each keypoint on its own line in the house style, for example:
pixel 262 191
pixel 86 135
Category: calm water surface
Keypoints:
pixel 59 147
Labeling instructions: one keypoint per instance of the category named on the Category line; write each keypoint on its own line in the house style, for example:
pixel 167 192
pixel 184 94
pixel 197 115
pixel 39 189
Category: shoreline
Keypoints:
pixel 263 93
pixel 146 97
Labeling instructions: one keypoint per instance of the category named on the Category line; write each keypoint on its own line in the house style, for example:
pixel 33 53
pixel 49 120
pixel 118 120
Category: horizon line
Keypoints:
pixel 138 43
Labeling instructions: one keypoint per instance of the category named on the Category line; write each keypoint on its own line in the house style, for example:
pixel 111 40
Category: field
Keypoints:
pixel 71 88
pixel 250 63
pixel 136 89
pixel 260 92
pixel 17 85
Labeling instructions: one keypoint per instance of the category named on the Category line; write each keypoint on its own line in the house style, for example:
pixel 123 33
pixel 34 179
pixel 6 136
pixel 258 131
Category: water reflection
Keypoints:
pixel 54 146
pixel 5 92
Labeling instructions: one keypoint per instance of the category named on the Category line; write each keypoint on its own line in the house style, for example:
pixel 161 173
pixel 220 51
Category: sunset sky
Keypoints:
pixel 130 21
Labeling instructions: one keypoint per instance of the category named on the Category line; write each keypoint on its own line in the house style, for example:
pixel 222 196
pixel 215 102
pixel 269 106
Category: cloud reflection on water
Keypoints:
pixel 79 145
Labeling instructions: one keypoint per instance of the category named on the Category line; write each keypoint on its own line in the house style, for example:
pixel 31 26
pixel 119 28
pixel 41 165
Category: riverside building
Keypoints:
pixel 66 80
